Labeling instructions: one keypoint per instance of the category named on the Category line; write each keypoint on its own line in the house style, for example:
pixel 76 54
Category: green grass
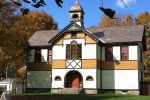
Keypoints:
pixel 49 96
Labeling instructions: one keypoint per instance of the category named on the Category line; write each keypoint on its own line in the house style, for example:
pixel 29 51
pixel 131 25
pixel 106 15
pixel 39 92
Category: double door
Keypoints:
pixel 73 80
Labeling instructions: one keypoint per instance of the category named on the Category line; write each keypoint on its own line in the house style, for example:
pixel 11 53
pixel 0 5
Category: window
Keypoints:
pixel 124 53
pixel 73 50
pixel 38 55
pixel 57 78
pixel 89 78
pixel 50 55
pixel 75 16
pixel 109 53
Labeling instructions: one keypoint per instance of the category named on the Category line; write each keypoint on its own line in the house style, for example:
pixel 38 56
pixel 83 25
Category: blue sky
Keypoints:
pixel 91 8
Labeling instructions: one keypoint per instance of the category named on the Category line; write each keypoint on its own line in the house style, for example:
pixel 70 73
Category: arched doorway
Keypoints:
pixel 73 79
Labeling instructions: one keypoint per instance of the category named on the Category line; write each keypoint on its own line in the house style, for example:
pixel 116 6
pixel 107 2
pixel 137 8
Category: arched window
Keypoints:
pixel 73 50
pixel 57 78
pixel 89 78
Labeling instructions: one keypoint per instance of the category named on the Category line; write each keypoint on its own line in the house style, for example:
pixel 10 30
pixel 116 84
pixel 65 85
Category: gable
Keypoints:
pixel 67 32
pixel 79 35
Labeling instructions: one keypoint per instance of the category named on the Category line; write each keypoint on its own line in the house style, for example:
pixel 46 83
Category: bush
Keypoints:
pixel 13 91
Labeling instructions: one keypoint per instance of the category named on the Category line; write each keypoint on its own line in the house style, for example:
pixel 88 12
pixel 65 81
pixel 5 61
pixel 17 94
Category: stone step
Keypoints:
pixel 71 90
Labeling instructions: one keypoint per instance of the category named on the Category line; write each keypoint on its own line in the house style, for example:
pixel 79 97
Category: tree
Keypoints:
pixel 106 22
pixel 18 34
pixel 21 73
pixel 8 16
pixel 144 19
pixel 121 20
pixel 127 21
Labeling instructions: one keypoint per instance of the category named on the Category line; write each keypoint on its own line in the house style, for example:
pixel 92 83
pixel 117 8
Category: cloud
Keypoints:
pixel 120 4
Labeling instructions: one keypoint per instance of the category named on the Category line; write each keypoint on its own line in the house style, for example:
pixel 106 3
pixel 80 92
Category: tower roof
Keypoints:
pixel 76 7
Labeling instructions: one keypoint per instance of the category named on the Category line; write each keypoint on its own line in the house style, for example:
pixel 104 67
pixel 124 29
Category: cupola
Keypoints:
pixel 77 14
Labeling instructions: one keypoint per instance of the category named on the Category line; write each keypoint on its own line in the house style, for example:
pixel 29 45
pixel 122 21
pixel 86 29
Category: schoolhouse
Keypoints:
pixel 92 59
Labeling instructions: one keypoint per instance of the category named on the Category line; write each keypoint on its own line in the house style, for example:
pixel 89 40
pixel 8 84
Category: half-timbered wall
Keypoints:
pixel 88 59
pixel 38 79
pixel 120 79
pixel 84 73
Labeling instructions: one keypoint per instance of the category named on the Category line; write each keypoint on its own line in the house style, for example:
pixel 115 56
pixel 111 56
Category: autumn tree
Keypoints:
pixel 144 19
pixel 127 21
pixel 120 20
pixel 106 22
pixel 21 73
pixel 16 48
pixel 8 16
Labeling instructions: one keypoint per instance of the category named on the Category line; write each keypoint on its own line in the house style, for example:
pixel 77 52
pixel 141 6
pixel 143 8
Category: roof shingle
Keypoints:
pixel 107 35
pixel 119 34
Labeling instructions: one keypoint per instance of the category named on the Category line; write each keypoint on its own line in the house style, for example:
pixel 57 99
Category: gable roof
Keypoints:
pixel 104 35
pixel 41 38
pixel 119 34
pixel 73 26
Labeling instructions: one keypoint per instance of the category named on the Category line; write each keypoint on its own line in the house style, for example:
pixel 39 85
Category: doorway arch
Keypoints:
pixel 73 79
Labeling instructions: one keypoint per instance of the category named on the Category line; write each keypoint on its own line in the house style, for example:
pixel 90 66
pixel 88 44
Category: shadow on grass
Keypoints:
pixel 48 96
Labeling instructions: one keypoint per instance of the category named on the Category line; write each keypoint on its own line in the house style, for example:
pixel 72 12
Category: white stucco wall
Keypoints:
pixel 120 79
pixel 83 72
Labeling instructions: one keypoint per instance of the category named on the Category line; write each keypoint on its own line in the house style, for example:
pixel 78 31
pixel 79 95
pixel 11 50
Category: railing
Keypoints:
pixel 60 88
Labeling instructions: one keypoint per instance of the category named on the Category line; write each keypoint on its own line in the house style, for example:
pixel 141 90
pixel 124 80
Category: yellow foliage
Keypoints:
pixel 15 51
pixel 21 73
pixel 108 22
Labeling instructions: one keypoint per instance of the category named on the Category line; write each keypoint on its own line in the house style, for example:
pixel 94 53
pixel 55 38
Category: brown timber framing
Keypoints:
pixel 39 66
pixel 116 65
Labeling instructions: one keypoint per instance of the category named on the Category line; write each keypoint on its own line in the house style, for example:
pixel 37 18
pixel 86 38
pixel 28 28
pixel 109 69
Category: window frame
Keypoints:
pixel 57 79
pixel 49 55
pixel 126 52
pixel 70 53
pixel 91 78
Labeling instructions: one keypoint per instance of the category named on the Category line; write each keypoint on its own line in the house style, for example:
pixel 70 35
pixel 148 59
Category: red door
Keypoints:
pixel 75 80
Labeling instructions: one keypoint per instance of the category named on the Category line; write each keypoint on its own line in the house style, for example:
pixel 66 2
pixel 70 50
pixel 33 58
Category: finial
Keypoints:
pixel 77 2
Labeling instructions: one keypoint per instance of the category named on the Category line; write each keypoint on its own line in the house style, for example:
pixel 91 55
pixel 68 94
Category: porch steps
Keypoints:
pixel 71 91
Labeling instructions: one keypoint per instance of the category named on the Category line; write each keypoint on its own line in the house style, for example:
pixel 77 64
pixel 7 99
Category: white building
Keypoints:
pixel 95 59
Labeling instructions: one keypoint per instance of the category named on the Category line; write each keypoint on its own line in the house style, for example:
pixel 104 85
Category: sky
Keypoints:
pixel 91 8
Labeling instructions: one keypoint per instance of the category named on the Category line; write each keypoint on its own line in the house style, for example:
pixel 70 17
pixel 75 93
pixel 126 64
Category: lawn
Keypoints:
pixel 49 96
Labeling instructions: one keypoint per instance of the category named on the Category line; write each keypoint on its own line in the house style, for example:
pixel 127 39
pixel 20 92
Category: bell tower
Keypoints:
pixel 77 14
